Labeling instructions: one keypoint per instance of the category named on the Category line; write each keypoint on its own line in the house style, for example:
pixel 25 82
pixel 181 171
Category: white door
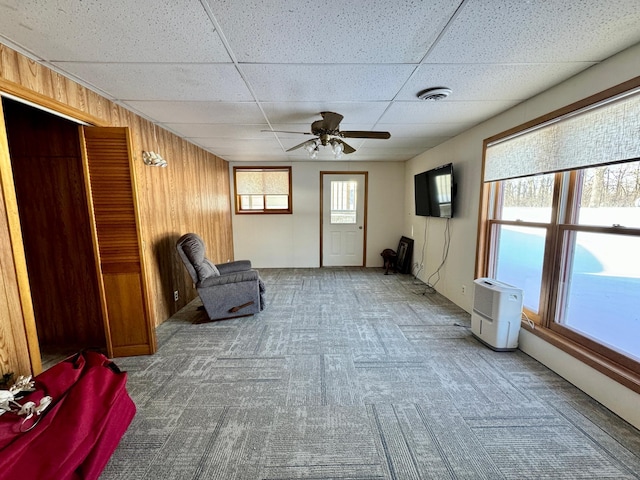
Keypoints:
pixel 343 219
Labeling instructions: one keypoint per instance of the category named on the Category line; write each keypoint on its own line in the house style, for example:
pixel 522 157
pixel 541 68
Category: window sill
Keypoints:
pixel 264 212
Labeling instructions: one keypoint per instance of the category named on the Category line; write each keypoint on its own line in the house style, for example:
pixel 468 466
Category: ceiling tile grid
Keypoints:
pixel 145 31
pixel 237 77
pixel 331 31
pixel 164 81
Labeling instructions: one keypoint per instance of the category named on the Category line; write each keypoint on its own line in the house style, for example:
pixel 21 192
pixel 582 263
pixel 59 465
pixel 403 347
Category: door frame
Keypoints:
pixel 29 339
pixel 30 97
pixel 366 209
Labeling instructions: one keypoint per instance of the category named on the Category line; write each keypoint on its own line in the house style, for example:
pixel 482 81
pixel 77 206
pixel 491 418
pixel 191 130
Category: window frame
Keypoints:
pixel 612 363
pixel 263 211
pixel 566 225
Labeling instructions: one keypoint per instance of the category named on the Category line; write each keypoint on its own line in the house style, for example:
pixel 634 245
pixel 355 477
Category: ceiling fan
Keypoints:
pixel 328 132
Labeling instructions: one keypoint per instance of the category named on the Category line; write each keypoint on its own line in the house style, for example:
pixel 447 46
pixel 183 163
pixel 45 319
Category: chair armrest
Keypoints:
pixel 232 267
pixel 243 276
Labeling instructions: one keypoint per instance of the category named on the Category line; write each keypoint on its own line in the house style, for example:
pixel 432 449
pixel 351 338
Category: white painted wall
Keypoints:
pixel 290 241
pixel 465 151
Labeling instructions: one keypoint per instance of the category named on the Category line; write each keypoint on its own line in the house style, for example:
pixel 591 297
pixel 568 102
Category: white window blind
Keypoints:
pixel 605 132
pixel 262 182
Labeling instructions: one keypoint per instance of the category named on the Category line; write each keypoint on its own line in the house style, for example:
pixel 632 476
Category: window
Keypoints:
pixel 262 190
pixel 600 278
pixel 560 218
pixel 521 227
pixel 343 202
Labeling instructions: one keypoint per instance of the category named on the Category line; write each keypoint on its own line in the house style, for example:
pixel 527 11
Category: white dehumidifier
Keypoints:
pixel 497 310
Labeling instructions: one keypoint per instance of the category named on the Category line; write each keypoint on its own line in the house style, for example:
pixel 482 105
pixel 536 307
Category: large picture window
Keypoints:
pixel 262 189
pixel 560 218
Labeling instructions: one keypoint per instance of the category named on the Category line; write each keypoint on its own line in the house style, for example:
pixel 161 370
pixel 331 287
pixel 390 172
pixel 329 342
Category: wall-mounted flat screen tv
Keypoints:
pixel 435 192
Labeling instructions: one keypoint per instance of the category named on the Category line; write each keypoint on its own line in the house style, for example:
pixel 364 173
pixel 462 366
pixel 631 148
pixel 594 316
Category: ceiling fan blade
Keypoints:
pixel 346 148
pixel 299 146
pixel 330 120
pixel 317 127
pixel 364 134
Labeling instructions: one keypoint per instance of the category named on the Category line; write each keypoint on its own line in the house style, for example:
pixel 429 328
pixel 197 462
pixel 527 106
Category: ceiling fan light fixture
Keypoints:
pixel 336 148
pixel 434 94
pixel 310 146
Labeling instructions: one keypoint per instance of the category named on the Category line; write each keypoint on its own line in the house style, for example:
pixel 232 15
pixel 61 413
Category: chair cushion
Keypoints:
pixel 193 247
pixel 207 269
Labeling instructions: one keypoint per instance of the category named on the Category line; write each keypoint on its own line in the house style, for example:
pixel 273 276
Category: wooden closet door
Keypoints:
pixel 112 202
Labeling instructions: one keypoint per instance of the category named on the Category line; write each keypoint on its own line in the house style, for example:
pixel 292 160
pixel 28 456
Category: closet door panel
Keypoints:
pixel 112 201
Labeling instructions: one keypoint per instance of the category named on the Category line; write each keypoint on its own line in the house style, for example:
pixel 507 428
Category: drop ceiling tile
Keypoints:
pixel 304 113
pixel 218 130
pixel 302 156
pixel 490 81
pixel 113 31
pixel 399 143
pixel 144 81
pixel 331 31
pixel 309 83
pixel 253 158
pixel 444 111
pixel 225 146
pixel 517 31
pixel 397 150
pixel 289 129
pixel 374 155
pixel 424 129
pixel 198 112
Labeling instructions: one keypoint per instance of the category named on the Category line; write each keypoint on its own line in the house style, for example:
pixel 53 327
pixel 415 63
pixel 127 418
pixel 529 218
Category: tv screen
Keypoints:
pixel 422 195
pixel 435 192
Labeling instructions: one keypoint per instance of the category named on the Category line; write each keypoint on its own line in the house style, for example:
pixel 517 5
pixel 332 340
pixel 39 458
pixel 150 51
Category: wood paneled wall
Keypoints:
pixel 191 194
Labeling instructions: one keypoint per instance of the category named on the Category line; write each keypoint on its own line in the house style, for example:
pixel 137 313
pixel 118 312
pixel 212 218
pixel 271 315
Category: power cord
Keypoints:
pixel 445 253
pixel 419 266
pixel 529 321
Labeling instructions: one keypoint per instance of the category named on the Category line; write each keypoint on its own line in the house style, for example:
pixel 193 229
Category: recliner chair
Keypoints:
pixel 227 290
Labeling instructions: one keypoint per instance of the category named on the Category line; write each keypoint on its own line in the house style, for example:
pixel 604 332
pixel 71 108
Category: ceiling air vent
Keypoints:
pixel 434 94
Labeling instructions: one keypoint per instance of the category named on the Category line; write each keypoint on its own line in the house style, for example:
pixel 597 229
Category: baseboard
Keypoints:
pixel 616 397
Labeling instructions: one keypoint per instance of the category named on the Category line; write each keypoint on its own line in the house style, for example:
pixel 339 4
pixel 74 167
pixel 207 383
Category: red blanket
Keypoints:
pixel 79 432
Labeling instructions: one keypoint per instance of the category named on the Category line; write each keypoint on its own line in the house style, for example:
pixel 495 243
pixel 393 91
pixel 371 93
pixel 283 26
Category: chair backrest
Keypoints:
pixel 193 253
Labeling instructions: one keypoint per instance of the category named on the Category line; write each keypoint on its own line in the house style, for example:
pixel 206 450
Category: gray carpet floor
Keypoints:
pixel 353 374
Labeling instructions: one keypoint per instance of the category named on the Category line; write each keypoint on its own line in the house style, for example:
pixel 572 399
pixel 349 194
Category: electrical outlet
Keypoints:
pixel 464 289
pixel 176 295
